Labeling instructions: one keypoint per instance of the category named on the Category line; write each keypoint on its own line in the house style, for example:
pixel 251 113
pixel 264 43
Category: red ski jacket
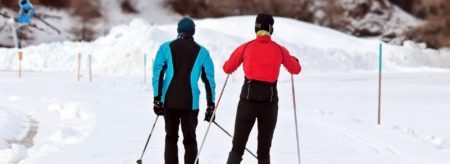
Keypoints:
pixel 262 60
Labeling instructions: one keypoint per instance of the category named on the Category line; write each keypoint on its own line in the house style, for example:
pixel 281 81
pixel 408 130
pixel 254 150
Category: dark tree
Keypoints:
pixel 88 11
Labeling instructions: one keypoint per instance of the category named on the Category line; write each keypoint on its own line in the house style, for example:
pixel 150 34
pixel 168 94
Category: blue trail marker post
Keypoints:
pixel 379 82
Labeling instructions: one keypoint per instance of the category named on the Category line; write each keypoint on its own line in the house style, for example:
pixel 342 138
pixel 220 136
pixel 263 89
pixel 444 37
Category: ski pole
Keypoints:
pixel 210 121
pixel 48 24
pixel 221 128
pixel 149 136
pixel 295 115
pixel 5 15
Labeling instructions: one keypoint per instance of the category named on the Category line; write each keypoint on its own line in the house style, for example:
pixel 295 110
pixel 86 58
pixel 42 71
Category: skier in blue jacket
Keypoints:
pixel 26 12
pixel 178 66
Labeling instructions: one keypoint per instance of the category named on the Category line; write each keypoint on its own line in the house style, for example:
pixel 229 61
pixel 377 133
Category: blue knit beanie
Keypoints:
pixel 186 25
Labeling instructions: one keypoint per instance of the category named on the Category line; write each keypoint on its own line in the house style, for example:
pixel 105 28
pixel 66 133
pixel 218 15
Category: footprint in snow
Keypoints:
pixel 66 135
pixel 395 126
pixel 439 143
pixel 355 119
pixel 68 111
pixel 324 113
pixel 410 132
pixel 112 84
pixel 435 141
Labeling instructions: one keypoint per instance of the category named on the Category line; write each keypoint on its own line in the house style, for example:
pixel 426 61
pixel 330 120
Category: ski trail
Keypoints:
pixel 431 139
pixel 372 144
pixel 27 141
pixel 348 134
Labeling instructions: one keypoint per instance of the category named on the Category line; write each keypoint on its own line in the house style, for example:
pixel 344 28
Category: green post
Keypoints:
pixel 379 83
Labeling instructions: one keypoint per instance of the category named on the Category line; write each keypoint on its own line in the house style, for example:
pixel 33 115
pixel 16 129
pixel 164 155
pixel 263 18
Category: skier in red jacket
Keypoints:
pixel 262 60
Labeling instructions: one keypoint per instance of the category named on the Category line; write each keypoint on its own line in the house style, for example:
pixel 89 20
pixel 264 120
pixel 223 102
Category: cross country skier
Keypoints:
pixel 177 68
pixel 262 60
pixel 26 12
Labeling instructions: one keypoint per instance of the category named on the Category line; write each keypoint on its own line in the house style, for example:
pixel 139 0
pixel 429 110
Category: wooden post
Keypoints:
pixel 145 68
pixel 379 83
pixel 20 63
pixel 90 68
pixel 79 67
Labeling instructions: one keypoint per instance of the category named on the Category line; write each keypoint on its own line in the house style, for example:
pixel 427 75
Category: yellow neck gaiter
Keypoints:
pixel 263 33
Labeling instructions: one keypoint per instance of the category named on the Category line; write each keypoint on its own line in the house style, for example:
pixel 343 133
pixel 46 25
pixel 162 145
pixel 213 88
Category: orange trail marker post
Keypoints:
pixel 20 63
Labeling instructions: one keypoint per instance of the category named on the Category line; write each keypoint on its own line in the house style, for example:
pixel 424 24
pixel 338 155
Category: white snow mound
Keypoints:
pixel 122 51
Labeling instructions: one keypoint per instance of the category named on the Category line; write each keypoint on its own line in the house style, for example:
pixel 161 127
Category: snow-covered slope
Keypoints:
pixel 122 51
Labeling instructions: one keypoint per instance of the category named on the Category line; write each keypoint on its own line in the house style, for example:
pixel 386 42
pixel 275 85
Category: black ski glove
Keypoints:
pixel 158 106
pixel 209 112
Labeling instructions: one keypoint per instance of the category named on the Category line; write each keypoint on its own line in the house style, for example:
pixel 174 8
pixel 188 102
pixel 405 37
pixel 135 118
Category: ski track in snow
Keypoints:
pixel 375 145
pixel 438 142
pixel 66 128
pixel 357 137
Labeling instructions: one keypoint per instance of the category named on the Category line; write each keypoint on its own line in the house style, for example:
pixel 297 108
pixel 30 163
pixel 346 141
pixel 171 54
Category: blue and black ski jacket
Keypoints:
pixel 177 68
pixel 26 12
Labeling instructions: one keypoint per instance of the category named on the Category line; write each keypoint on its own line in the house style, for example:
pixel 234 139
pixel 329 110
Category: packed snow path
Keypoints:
pixel 108 120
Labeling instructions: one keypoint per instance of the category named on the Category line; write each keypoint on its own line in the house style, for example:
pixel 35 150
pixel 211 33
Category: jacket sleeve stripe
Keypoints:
pixel 208 78
pixel 159 66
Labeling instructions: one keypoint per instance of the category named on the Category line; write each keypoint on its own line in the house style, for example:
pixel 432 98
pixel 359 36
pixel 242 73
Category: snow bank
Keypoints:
pixel 39 126
pixel 13 155
pixel 122 51
pixel 12 126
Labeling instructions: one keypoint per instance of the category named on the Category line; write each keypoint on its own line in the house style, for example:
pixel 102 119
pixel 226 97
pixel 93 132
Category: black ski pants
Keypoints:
pixel 189 121
pixel 248 112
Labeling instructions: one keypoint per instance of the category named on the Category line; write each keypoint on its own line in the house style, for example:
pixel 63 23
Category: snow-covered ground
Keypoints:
pixel 108 120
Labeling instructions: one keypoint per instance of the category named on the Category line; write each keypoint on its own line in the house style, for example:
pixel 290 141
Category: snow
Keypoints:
pixel 122 51
pixel 337 117
pixel 12 126
pixel 12 122
pixel 108 120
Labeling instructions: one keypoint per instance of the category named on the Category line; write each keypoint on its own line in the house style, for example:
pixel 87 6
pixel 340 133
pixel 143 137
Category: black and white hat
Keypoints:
pixel 264 22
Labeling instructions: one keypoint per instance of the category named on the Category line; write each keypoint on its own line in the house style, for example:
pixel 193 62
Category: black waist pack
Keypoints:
pixel 259 91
